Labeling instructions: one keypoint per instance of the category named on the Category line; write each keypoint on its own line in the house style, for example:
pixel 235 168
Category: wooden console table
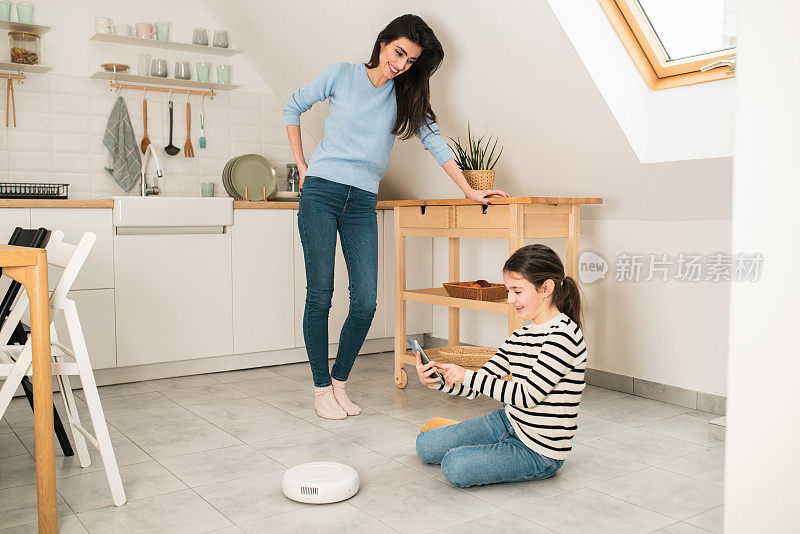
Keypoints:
pixel 514 218
pixel 28 266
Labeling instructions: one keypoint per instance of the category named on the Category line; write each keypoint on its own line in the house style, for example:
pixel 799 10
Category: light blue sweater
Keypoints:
pixel 358 130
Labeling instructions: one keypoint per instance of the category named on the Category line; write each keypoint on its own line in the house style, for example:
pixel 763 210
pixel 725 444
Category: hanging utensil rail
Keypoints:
pixel 117 85
pixel 12 76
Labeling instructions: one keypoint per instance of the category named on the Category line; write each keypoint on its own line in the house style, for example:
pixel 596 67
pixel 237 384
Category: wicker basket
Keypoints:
pixel 469 357
pixel 490 294
pixel 480 179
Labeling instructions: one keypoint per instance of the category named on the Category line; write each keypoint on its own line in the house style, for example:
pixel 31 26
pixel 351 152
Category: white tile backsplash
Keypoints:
pixel 32 121
pixel 29 161
pixel 30 141
pixel 61 121
pixel 69 103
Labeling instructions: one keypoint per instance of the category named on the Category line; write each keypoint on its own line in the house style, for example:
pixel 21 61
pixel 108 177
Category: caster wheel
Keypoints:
pixel 401 378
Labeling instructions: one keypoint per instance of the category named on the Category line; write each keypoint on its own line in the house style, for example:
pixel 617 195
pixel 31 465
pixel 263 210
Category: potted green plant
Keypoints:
pixel 477 159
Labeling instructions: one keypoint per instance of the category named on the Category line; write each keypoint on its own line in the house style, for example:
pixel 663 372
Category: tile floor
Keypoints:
pixel 206 453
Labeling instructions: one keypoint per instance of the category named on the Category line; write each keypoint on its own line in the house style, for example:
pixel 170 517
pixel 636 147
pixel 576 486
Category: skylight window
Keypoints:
pixel 687 28
pixel 677 42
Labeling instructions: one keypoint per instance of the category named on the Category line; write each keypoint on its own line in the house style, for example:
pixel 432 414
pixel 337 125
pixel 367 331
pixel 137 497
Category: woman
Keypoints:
pixel 370 104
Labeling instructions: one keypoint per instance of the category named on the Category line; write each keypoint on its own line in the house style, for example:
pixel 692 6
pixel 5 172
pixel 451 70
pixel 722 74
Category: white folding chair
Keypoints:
pixel 15 361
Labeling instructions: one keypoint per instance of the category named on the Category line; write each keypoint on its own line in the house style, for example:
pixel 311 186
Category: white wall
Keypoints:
pixel 690 122
pixel 61 115
pixel 762 466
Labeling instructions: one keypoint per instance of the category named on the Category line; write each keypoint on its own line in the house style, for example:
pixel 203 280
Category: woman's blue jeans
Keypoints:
pixel 328 208
pixel 484 450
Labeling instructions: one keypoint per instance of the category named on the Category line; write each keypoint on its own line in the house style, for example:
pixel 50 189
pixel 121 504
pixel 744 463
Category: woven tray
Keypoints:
pixel 469 357
pixel 492 293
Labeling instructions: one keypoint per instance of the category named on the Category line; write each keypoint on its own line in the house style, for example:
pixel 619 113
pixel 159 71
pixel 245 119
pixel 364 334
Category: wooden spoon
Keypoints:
pixel 188 151
pixel 145 139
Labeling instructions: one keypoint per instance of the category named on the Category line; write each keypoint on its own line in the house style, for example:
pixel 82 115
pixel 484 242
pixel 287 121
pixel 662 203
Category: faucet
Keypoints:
pixel 150 190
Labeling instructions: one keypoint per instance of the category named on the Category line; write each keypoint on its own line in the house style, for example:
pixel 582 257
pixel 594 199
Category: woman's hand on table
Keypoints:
pixel 425 371
pixel 451 372
pixel 480 195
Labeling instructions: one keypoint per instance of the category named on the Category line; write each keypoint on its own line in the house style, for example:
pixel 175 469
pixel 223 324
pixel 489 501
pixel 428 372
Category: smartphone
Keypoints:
pixel 425 360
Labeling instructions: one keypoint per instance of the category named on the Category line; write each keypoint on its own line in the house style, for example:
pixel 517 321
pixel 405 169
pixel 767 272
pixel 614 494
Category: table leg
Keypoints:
pixel 454 274
pixel 400 375
pixel 573 243
pixel 515 242
pixel 42 396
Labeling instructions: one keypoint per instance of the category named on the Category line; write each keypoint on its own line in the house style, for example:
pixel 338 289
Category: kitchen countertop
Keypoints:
pixel 107 203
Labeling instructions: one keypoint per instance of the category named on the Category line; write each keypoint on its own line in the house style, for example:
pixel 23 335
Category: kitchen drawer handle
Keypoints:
pixel 484 207
pixel 422 209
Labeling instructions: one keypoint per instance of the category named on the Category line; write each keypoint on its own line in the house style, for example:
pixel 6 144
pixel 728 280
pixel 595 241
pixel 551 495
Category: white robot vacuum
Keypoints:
pixel 320 482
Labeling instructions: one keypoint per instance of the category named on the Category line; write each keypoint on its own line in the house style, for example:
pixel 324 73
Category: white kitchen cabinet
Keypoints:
pixel 173 297
pixel 263 280
pixel 419 274
pixel 341 294
pixel 98 270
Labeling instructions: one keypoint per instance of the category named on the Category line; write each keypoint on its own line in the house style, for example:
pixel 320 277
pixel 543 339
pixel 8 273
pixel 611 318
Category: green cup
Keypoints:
pixel 162 31
pixel 224 74
pixel 207 189
pixel 25 12
pixel 203 72
pixel 5 10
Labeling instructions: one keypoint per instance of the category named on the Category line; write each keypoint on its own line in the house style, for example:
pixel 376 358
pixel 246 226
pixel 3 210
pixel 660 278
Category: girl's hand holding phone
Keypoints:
pixel 425 371
pixel 451 372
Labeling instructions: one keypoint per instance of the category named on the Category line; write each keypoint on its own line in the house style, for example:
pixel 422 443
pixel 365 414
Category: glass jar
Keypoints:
pixel 24 48
pixel 293 177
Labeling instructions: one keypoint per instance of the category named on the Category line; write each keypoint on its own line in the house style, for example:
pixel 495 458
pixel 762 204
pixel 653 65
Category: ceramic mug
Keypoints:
pixel 145 30
pixel 102 25
pixel 122 29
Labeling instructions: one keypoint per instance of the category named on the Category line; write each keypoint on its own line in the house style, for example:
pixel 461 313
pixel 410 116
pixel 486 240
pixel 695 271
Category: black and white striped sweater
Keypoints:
pixel 547 363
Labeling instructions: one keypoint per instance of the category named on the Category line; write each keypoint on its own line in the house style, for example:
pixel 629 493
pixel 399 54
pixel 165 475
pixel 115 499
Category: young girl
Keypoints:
pixel 531 435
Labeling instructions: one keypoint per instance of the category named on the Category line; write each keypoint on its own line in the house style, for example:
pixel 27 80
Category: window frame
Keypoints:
pixel 647 53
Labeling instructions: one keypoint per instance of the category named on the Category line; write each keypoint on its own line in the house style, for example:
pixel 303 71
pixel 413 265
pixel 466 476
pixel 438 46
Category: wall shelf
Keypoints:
pixel 20 67
pixel 22 27
pixel 163 82
pixel 169 45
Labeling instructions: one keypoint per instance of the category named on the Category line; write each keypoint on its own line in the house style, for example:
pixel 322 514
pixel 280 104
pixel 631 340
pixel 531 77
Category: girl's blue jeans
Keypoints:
pixel 328 208
pixel 484 450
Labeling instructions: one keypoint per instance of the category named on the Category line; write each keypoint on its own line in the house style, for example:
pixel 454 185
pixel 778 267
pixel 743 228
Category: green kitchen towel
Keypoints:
pixel 124 162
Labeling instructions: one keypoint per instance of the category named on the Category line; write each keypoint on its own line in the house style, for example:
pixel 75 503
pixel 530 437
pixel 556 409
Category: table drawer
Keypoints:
pixel 425 217
pixel 473 216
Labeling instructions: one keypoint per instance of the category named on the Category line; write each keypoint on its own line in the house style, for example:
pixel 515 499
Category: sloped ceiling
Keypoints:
pixel 510 69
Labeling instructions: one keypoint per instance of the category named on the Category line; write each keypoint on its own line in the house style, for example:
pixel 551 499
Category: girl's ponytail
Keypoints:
pixel 567 298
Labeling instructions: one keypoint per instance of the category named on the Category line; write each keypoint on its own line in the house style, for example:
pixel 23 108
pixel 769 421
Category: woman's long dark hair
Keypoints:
pixel 411 88
pixel 539 263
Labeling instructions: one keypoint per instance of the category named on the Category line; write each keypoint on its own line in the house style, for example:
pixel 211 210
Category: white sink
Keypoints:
pixel 160 212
